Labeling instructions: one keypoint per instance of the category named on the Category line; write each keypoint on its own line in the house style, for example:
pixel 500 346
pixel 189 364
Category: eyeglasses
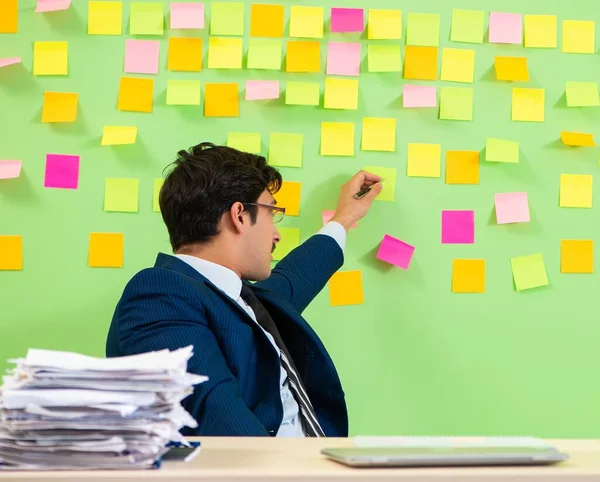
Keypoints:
pixel 278 212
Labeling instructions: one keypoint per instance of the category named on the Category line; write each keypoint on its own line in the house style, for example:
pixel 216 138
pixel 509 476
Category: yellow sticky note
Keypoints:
pixel 158 184
pixel 337 138
pixel 11 252
pixel 379 134
pixel 420 63
pixel 384 58
pixel 135 94
pixel 50 58
pixel 264 54
pixel 540 31
pixel 225 53
pixel 183 92
pixel 458 65
pixel 384 24
pixel 302 93
pixel 456 103
pixel 576 190
pixel 511 68
pixel 147 18
pixel 303 56
pixel 423 29
pixel 60 107
pixel 285 149
pixel 105 18
pixel 468 276
pixel 245 141
pixel 462 167
pixel 346 288
pixel 582 94
pixel 467 26
pixel 424 160
pixel 290 239
pixel 221 100
pixel 118 135
pixel 121 195
pixel 266 20
pixel 528 104
pixel 106 250
pixel 529 271
pixel 500 150
pixel 578 36
pixel 341 94
pixel 306 22
pixel 289 197
pixel 388 176
pixel 577 256
pixel 577 139
pixel 9 16
pixel 185 54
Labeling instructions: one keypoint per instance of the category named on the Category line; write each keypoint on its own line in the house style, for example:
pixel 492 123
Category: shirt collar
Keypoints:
pixel 223 278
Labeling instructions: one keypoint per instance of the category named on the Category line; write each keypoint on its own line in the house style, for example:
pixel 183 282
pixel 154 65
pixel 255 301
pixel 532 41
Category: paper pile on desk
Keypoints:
pixel 61 410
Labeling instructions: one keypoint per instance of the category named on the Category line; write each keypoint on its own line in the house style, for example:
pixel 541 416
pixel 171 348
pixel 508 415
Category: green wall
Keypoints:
pixel 414 358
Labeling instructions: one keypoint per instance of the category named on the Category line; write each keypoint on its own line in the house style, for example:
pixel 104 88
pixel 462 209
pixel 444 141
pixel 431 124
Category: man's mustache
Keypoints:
pixel 273 249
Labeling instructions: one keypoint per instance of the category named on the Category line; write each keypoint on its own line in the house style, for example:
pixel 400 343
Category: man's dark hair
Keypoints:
pixel 204 183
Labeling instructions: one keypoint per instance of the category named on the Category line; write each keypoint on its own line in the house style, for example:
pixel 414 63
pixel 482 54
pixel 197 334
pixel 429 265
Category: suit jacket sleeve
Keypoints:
pixel 159 310
pixel 303 273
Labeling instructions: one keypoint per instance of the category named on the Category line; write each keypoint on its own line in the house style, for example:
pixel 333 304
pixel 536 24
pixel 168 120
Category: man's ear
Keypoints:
pixel 238 216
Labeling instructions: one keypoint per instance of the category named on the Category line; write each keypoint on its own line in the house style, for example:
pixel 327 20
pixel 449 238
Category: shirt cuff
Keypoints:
pixel 336 231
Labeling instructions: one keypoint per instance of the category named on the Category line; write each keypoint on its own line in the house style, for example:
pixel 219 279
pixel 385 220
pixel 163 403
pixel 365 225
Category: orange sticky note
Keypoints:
pixel 511 68
pixel 577 139
pixel 266 20
pixel 60 107
pixel 9 16
pixel 462 167
pixel 221 100
pixel 468 276
pixel 11 253
pixel 136 95
pixel 346 288
pixel 577 256
pixel 105 250
pixel 185 54
pixel 420 63
pixel 303 56
pixel 289 197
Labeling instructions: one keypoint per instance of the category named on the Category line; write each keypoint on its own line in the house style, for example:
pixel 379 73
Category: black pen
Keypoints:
pixel 365 190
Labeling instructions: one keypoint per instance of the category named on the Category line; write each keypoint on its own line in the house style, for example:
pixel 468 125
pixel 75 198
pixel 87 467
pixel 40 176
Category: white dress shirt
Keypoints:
pixel 230 283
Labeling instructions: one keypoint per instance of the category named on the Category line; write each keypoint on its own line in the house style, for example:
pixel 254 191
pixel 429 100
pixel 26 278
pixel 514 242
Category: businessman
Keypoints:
pixel 269 373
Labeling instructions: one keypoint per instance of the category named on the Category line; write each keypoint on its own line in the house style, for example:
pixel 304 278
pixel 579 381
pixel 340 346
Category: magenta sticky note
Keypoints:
pixel 187 15
pixel 141 56
pixel 347 20
pixel 512 207
pixel 5 62
pixel 10 169
pixel 458 227
pixel 506 28
pixel 262 89
pixel 62 171
pixel 396 252
pixel 327 215
pixel 419 96
pixel 52 5
pixel 343 58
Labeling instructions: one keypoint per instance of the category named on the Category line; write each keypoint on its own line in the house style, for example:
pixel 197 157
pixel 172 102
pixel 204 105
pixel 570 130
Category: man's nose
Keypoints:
pixel 276 236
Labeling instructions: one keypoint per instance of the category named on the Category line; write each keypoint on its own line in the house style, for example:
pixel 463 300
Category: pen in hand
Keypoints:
pixel 365 190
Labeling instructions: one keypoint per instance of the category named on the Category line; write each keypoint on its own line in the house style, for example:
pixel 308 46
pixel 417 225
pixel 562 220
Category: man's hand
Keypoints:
pixel 349 209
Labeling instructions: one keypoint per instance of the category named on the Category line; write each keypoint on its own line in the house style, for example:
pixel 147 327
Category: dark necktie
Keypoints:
pixel 307 412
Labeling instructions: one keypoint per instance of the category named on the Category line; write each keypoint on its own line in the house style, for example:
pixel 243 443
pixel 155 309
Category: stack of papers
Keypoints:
pixel 61 411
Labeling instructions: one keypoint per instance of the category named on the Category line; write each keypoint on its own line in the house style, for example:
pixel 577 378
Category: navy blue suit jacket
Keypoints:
pixel 171 305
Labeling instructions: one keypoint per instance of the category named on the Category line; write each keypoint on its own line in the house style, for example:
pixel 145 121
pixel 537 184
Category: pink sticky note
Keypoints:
pixel 512 207
pixel 327 215
pixel 419 96
pixel 506 28
pixel 396 252
pixel 62 171
pixel 52 5
pixel 262 89
pixel 458 227
pixel 343 58
pixel 10 169
pixel 5 62
pixel 187 15
pixel 347 20
pixel 141 56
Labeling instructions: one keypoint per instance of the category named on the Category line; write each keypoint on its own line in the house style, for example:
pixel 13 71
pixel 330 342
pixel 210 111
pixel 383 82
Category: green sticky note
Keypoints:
pixel 529 271
pixel 158 182
pixel 290 239
pixel 423 29
pixel 456 103
pixel 121 195
pixel 227 18
pixel 500 150
pixel 264 54
pixel 384 58
pixel 302 93
pixel 244 141
pixel 467 26
pixel 285 149
pixel 147 18
pixel 582 94
pixel 388 174
pixel 183 92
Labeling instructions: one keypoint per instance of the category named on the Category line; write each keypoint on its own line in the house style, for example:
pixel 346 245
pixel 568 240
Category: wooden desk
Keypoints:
pixel 295 460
